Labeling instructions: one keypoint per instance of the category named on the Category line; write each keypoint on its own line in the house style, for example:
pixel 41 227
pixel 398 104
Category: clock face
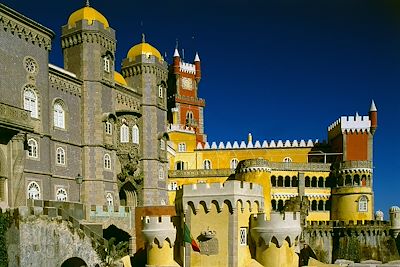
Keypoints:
pixel 187 83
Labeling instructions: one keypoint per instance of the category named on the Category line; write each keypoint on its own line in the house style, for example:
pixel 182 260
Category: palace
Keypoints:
pixel 88 154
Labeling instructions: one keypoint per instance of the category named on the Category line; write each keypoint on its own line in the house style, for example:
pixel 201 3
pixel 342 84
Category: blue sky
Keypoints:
pixel 278 69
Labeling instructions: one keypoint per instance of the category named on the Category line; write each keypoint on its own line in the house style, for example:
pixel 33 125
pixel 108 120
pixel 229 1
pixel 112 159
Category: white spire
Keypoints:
pixel 176 53
pixel 373 107
pixel 197 58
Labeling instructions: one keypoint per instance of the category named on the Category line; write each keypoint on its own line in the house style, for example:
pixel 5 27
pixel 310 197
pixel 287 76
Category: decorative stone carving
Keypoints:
pixel 64 85
pixel 208 243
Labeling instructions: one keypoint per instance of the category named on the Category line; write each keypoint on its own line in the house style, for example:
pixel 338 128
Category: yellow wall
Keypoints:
pixel 216 221
pixel 163 256
pixel 345 204
pixel 244 256
pixel 273 256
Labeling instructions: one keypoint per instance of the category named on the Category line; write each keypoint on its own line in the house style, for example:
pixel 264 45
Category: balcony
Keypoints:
pixel 200 173
pixel 15 119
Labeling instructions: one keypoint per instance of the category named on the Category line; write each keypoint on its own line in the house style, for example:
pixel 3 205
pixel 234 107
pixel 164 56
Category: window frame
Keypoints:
pixel 207 165
pixel 107 161
pixel 31 185
pixel 124 134
pixel 58 115
pixel 243 236
pixel 33 153
pixel 31 101
pixel 106 64
pixel 109 199
pixel 61 156
pixel 108 128
pixel 58 193
pixel 135 134
pixel 363 204
pixel 182 147
pixel 234 160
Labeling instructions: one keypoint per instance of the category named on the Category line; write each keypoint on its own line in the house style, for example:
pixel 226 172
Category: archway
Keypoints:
pixel 74 262
pixel 127 195
pixel 118 234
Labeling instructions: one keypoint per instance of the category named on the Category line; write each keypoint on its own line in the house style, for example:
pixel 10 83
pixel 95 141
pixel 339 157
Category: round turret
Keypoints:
pixel 379 215
pixel 395 220
pixel 118 78
pixel 87 13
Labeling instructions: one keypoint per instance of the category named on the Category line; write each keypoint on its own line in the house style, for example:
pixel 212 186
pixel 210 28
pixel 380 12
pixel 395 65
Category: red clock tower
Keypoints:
pixel 185 108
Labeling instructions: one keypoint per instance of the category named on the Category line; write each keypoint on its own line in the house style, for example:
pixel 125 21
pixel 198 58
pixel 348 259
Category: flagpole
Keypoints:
pixel 184 243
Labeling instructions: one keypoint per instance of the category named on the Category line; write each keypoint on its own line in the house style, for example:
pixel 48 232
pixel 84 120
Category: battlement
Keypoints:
pixel 230 193
pixel 258 144
pixel 187 67
pixel 159 228
pixel 281 226
pixel 355 123
pixel 180 128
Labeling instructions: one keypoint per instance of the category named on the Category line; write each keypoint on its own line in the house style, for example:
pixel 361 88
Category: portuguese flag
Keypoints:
pixel 187 237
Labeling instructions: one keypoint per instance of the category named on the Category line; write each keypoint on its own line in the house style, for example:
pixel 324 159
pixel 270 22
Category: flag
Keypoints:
pixel 187 237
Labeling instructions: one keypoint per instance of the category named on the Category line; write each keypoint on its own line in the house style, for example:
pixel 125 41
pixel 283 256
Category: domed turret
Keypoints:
pixel 87 13
pixel 395 220
pixel 379 215
pixel 118 78
pixel 143 49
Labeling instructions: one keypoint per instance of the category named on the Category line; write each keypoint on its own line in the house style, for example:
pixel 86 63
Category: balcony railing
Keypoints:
pixel 14 118
pixel 200 173
pixel 365 164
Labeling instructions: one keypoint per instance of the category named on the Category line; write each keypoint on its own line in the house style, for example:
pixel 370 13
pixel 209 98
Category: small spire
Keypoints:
pixel 143 38
pixel 87 3
pixel 373 107
pixel 176 43
pixel 197 58
pixel 176 53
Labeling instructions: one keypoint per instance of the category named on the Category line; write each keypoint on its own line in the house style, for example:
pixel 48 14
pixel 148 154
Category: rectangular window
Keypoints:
pixel 108 128
pixel 106 64
pixel 160 91
pixel 243 236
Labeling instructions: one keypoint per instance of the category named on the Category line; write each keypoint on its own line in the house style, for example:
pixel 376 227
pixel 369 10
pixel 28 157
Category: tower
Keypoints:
pixel 185 108
pixel 88 44
pixel 352 137
pixel 145 72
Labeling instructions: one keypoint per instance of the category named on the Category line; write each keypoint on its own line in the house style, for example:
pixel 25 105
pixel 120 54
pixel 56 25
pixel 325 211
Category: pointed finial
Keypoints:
pixel 373 107
pixel 197 58
pixel 176 43
pixel 87 3
pixel 143 38
pixel 176 53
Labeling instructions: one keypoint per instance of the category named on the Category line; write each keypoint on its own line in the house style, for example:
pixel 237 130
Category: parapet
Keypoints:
pixel 257 144
pixel 230 192
pixel 281 226
pixel 253 165
pixel 355 123
pixel 180 128
pixel 159 229
pixel 187 67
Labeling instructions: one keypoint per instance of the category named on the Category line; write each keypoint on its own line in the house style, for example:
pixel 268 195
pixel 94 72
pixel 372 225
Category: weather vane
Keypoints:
pixel 87 3
pixel 143 38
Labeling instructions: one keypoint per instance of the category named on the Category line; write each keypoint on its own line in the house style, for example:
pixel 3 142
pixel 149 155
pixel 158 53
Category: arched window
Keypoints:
pixel 234 163
pixel 307 181
pixel 109 199
pixel 58 115
pixel 107 162
pixel 207 164
pixel 161 175
pixel 173 185
pixel 273 180
pixel 356 180
pixel 363 204
pixel 31 102
pixel 106 62
pixel 60 156
pixel 314 205
pixel 294 181
pixel 61 194
pixel 321 205
pixel 108 128
pixel 180 165
pixel 135 134
pixel 124 135
pixel 162 144
pixel 181 147
pixel 328 205
pixel 364 180
pixel 32 148
pixel 33 190
pixel 314 182
pixel 287 160
pixel 280 181
pixel 189 118
pixel 287 181
pixel 348 181
pixel 321 182
pixel 160 91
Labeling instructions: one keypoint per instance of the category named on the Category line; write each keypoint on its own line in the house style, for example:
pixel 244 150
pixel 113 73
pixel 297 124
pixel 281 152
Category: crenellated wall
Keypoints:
pixel 257 144
pixel 356 241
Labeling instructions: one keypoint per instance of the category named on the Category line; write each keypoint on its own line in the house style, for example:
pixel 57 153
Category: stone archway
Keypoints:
pixel 128 195
pixel 74 262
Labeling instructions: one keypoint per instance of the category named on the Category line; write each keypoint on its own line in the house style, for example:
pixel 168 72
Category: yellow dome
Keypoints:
pixel 143 49
pixel 119 79
pixel 88 13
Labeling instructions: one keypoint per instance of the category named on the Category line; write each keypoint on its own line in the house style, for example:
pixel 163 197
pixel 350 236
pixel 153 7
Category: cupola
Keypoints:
pixel 87 13
pixel 143 49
